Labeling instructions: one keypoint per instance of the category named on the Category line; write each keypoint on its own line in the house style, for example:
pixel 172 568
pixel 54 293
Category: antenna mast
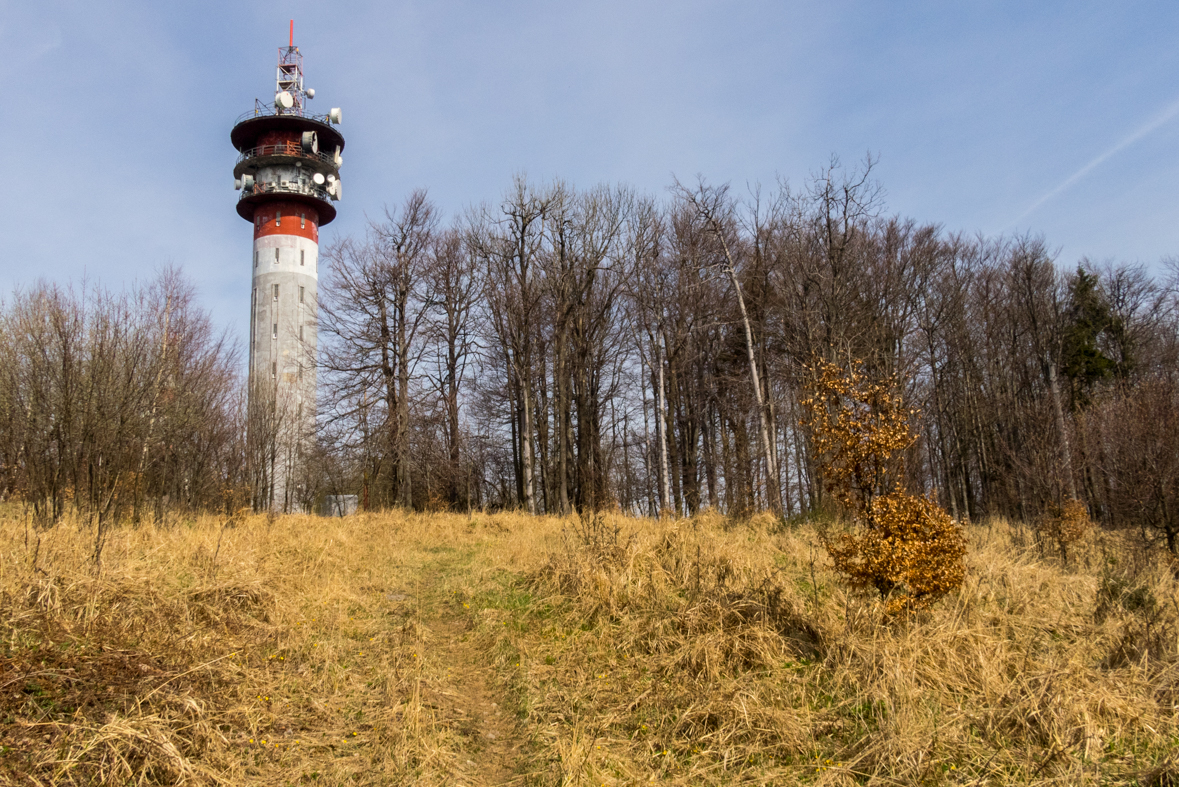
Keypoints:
pixel 289 95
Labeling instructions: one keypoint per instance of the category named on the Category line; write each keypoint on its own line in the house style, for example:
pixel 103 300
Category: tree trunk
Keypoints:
pixel 404 484
pixel 661 430
pixel 1061 430
pixel 563 427
pixel 773 490
pixel 526 454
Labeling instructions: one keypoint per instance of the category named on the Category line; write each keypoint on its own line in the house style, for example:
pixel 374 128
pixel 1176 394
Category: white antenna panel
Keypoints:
pixel 284 100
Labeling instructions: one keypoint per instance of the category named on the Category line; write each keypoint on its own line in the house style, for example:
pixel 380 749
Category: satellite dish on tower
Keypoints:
pixel 284 100
pixel 310 142
pixel 318 178
pixel 334 116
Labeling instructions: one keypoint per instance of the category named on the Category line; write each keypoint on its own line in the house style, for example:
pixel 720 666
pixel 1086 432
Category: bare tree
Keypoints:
pixel 508 244
pixel 454 289
pixel 372 310
pixel 716 210
pixel 115 399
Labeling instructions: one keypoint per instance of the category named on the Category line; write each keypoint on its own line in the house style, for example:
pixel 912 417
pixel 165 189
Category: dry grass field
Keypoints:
pixel 501 649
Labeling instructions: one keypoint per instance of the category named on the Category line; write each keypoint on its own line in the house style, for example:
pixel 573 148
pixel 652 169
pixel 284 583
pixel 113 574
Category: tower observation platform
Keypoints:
pixel 288 178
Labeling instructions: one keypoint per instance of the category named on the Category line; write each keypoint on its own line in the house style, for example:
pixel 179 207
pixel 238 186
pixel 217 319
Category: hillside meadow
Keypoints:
pixel 394 648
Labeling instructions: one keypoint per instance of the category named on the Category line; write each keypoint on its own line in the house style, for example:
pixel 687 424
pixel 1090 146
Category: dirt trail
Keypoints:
pixel 466 694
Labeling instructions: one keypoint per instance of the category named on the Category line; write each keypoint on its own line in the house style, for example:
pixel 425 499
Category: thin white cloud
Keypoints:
pixel 1146 130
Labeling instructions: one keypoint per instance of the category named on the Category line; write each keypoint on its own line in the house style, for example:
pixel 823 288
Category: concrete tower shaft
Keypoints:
pixel 283 338
pixel 288 173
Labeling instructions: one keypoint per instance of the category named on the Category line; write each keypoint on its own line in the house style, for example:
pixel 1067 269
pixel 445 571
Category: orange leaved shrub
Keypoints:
pixel 903 545
pixel 1064 525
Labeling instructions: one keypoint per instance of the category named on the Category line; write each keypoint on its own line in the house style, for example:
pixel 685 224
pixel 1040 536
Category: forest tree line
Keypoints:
pixel 116 405
pixel 564 349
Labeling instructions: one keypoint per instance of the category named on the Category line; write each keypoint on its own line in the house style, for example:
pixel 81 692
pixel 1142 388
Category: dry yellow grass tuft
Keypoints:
pixel 502 649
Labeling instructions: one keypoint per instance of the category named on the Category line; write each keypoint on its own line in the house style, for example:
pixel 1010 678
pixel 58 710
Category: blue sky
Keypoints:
pixel 995 117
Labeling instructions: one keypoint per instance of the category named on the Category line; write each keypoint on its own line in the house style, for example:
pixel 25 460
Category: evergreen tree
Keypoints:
pixel 1090 328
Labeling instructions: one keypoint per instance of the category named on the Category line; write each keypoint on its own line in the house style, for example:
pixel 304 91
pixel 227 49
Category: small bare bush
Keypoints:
pixel 1064 525
pixel 598 534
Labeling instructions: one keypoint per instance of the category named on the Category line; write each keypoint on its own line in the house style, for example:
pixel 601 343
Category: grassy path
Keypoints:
pixel 465 694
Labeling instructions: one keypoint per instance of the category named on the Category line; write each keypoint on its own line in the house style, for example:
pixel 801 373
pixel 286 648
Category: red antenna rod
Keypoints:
pixel 292 33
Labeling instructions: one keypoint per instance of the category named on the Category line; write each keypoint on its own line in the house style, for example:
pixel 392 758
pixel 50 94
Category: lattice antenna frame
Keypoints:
pixel 289 79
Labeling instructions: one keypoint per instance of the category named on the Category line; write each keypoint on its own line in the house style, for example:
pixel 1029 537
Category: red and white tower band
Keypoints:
pixel 288 173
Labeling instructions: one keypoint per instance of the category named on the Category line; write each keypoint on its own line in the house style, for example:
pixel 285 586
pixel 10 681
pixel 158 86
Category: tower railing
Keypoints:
pixel 286 187
pixel 285 149
pixel 262 109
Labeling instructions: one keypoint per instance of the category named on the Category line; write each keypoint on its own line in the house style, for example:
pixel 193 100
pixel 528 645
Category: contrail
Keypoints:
pixel 1165 116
